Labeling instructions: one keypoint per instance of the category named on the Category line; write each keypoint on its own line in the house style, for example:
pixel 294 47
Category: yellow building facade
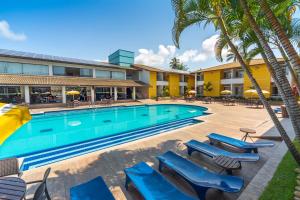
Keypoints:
pixel 211 81
pixel 164 83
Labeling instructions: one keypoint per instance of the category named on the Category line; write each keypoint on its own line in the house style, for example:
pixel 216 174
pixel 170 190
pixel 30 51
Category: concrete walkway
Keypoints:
pixel 109 163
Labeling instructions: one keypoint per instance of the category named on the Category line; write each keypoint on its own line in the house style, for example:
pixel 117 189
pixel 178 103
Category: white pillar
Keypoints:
pixel 116 93
pixel 27 94
pixel 63 94
pixel 111 91
pixel 133 93
pixel 94 73
pixel 92 94
pixel 50 70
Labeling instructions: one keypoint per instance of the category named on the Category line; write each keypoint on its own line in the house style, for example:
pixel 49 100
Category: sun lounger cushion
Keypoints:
pixel 95 189
pixel 152 185
pixel 247 146
pixel 199 178
pixel 212 151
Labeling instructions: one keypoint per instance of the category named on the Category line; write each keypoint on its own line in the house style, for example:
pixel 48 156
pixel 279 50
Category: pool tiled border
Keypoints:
pixel 42 158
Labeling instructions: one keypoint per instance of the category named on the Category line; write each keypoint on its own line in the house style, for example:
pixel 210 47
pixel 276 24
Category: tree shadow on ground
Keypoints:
pixel 110 166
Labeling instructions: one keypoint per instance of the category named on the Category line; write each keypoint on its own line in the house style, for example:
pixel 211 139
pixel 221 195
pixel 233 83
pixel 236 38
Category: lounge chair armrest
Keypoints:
pixel 33 182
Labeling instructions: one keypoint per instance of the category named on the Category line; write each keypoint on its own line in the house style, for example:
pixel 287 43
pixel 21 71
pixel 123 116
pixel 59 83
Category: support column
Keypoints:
pixel 196 84
pixel 116 93
pixel 50 70
pixel 63 94
pixel 133 93
pixel 111 91
pixel 94 73
pixel 92 94
pixel 27 94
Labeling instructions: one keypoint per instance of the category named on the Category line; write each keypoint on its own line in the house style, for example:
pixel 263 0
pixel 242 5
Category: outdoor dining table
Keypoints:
pixel 12 188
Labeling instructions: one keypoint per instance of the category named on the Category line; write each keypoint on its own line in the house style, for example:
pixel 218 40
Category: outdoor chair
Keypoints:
pixel 41 192
pixel 76 103
pixel 213 151
pixel 247 147
pixel 151 184
pixel 199 178
pixel 10 166
pixel 95 189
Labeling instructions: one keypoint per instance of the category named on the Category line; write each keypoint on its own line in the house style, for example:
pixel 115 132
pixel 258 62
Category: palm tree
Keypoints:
pixel 190 12
pixel 280 32
pixel 278 72
pixel 176 64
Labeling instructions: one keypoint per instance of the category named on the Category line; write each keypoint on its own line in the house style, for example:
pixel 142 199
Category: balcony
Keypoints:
pixel 200 82
pixel 232 81
pixel 182 83
pixel 162 83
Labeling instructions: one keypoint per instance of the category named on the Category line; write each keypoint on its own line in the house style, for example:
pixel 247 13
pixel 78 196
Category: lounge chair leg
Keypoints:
pixel 190 151
pixel 160 166
pixel 127 182
pixel 201 192
pixel 47 194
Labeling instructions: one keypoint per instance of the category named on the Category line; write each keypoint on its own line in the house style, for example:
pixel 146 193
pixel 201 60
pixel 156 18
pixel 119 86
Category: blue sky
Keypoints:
pixel 92 29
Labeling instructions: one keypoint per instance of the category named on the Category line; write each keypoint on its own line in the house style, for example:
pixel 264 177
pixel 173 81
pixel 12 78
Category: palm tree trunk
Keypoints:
pixel 293 74
pixel 280 32
pixel 288 97
pixel 273 116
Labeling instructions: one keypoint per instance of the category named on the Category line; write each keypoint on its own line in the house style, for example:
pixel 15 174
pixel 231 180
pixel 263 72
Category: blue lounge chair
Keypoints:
pixel 151 184
pixel 213 151
pixel 199 178
pixel 246 146
pixel 277 110
pixel 95 189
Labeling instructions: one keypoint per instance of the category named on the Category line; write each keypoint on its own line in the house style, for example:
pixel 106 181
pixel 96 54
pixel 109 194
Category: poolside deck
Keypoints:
pixel 109 163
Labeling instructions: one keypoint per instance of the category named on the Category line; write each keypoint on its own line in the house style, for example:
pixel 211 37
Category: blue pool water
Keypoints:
pixel 56 129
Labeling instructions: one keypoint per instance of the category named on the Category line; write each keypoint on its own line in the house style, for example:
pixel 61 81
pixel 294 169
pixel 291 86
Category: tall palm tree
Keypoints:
pixel 190 12
pixel 279 73
pixel 280 32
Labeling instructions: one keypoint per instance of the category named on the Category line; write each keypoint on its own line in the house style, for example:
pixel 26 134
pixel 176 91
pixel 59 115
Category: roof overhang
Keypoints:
pixel 66 81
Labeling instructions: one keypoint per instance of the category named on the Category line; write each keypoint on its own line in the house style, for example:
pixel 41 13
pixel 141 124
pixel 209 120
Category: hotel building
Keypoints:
pixel 42 80
pixel 211 81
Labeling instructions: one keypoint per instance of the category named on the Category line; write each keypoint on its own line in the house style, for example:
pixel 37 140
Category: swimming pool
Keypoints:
pixel 54 130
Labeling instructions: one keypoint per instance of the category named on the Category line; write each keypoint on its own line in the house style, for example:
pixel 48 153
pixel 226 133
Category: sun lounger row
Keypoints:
pixel 153 186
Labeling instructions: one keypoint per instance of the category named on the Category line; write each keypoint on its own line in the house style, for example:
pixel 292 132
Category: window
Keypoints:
pixel 121 93
pixel 118 75
pixel 103 93
pixel 59 71
pixel 102 74
pixel 11 94
pixel 72 71
pixel 45 95
pixel 238 74
pixel 200 77
pixel 19 68
pixel 86 72
pixel 227 74
pixel 35 69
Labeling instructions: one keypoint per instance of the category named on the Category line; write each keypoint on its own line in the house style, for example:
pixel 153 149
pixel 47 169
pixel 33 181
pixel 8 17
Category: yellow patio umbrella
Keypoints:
pixel 253 93
pixel 226 92
pixel 73 92
pixel 192 92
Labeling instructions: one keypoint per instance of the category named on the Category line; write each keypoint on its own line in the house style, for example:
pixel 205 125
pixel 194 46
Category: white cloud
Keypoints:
pixel 187 55
pixel 148 57
pixel 166 52
pixel 7 33
pixel 208 45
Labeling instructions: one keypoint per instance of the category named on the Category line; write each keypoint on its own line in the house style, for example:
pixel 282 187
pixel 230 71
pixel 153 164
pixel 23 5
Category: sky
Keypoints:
pixel 93 29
